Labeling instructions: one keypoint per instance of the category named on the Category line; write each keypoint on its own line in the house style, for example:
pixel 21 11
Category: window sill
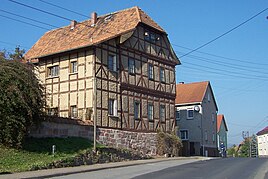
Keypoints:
pixel 151 79
pixel 191 118
pixel 112 116
pixel 51 77
pixel 74 73
pixel 137 119
pixel 151 120
pixel 131 73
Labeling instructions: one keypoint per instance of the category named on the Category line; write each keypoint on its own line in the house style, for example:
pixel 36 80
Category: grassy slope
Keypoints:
pixel 38 152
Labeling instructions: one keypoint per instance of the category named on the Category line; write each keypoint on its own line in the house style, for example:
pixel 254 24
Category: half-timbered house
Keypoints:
pixel 118 68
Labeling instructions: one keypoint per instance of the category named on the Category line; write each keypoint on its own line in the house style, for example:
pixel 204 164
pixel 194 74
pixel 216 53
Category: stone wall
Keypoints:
pixel 61 127
pixel 138 141
pixel 144 143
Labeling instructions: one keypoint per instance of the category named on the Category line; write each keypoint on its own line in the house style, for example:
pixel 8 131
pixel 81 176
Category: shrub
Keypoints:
pixel 21 101
pixel 168 144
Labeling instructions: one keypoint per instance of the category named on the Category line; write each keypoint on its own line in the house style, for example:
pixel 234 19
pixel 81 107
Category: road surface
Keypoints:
pixel 229 168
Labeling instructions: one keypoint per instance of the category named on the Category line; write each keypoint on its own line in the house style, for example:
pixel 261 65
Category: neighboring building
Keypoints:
pixel 118 68
pixel 196 113
pixel 221 131
pixel 262 138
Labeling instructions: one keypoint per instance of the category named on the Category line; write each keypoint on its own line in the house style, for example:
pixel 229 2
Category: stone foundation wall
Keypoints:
pixel 138 141
pixel 144 143
pixel 53 129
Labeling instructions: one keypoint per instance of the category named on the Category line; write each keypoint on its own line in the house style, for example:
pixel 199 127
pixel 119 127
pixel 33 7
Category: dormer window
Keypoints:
pixel 151 37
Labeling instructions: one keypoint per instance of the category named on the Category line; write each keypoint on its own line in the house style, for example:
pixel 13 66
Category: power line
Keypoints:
pixel 230 72
pixel 239 25
pixel 222 57
pixel 24 22
pixel 44 23
pixel 37 9
pixel 229 65
pixel 63 8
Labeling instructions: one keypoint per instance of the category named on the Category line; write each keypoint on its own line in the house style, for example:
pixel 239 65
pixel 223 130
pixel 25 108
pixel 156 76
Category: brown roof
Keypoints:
pixel 107 27
pixel 191 92
pixel 263 131
pixel 220 120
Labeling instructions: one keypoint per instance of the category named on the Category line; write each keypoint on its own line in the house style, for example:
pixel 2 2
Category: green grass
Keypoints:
pixel 38 152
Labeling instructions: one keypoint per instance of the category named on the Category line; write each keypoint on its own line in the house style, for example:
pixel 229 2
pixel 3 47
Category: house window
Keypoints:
pixel 150 71
pixel 52 111
pixel 136 110
pixel 177 115
pixel 73 67
pixel 112 63
pixel 209 97
pixel 150 112
pixel 213 137
pixel 206 135
pixel 190 113
pixel 53 71
pixel 213 118
pixel 74 112
pixel 162 113
pixel 131 66
pixel 162 74
pixel 112 107
pixel 149 36
pixel 184 134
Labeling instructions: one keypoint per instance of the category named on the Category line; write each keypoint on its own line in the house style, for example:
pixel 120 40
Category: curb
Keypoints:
pixel 89 168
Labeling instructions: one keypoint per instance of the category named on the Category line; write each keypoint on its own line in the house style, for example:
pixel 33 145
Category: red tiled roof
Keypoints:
pixel 191 92
pixel 83 35
pixel 220 120
pixel 263 131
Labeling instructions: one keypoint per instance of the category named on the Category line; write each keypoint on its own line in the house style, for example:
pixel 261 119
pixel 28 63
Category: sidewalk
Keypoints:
pixel 87 168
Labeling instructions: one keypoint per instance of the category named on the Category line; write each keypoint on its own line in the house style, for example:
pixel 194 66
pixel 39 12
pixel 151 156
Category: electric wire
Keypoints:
pixel 225 33
pixel 60 7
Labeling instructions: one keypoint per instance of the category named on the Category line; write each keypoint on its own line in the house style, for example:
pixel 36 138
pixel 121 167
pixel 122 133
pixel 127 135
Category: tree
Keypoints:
pixel 232 151
pixel 21 98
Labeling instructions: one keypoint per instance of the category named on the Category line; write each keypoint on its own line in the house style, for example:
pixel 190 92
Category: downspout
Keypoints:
pixel 94 101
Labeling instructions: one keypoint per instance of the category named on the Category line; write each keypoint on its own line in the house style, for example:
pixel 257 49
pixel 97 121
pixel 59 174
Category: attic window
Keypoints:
pixel 151 37
pixel 108 18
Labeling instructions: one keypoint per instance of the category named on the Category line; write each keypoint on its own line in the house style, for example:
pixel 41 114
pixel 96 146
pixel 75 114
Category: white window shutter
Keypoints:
pixel 115 107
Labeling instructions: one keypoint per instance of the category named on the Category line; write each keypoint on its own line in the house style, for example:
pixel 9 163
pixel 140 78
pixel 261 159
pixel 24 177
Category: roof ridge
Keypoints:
pixel 138 13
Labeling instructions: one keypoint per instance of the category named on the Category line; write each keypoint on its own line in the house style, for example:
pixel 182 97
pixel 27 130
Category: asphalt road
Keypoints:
pixel 129 171
pixel 228 168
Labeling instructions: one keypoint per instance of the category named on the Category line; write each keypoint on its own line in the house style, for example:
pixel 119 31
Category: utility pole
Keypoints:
pixel 245 135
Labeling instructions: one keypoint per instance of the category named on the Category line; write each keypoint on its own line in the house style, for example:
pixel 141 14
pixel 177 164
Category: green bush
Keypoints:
pixel 168 144
pixel 21 101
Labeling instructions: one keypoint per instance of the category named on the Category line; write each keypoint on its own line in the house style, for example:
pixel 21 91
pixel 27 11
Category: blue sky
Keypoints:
pixel 236 64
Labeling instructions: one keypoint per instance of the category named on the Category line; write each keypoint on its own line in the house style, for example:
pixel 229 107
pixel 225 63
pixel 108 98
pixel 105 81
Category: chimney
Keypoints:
pixel 73 23
pixel 93 19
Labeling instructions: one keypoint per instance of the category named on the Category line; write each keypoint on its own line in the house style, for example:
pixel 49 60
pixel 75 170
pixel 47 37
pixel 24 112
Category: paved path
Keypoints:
pixel 92 169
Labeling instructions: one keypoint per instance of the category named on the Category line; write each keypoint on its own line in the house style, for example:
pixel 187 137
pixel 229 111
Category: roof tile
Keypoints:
pixel 107 27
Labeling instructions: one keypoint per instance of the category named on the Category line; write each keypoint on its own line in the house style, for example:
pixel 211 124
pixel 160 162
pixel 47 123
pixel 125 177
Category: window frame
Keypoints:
pixel 137 110
pixel 112 62
pixel 73 69
pixel 112 107
pixel 177 112
pixel 131 66
pixel 186 134
pixel 162 113
pixel 162 75
pixel 53 71
pixel 73 112
pixel 53 111
pixel 150 111
pixel 188 116
pixel 150 71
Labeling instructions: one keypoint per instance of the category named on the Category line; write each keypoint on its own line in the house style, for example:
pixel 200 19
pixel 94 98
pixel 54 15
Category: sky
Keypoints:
pixel 236 64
